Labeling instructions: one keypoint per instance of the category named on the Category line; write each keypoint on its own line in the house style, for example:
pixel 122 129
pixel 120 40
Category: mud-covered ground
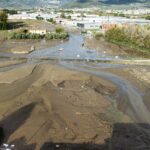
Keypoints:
pixel 113 49
pixel 25 46
pixel 7 45
pixel 45 106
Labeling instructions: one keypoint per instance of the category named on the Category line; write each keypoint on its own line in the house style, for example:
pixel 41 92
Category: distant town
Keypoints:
pixel 87 18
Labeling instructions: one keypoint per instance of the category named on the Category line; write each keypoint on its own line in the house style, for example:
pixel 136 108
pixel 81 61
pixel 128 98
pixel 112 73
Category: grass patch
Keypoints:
pixel 132 47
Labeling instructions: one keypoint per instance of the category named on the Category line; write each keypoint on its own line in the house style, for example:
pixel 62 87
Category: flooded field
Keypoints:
pixel 71 97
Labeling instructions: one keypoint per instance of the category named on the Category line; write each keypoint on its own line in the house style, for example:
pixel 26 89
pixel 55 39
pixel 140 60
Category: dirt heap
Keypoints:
pixel 48 107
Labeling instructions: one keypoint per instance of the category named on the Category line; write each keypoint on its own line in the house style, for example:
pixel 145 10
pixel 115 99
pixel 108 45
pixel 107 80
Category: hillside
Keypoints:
pixel 72 3
pixel 28 3
pixel 107 3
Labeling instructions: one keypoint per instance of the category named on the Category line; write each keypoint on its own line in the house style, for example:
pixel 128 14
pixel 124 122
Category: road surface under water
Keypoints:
pixel 71 49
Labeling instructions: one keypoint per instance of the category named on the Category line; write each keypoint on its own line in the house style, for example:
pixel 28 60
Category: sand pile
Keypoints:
pixel 46 102
pixel 43 105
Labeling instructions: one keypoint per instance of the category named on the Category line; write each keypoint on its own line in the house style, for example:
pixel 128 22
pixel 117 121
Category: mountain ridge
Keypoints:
pixel 71 3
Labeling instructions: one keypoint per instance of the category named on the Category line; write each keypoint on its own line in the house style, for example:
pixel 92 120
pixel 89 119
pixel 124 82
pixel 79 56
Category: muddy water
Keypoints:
pixel 72 49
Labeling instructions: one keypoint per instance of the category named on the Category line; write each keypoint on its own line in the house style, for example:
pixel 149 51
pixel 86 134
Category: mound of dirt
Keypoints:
pixel 44 106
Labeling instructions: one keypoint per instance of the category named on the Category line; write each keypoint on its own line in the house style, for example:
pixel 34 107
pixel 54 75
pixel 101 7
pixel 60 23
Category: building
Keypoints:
pixel 38 31
pixel 88 25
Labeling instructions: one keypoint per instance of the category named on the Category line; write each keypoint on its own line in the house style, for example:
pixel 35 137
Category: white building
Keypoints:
pixel 33 16
pixel 38 31
pixel 88 26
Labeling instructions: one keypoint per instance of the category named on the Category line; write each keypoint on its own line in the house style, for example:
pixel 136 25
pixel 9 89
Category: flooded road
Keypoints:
pixel 71 49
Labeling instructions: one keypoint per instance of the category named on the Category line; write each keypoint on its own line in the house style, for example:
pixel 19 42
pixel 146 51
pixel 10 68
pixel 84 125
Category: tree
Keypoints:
pixel 3 20
pixel 39 18
pixel 116 34
pixel 10 11
pixel 63 15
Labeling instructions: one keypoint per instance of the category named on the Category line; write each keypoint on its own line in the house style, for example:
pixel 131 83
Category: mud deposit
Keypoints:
pixel 52 100
pixel 48 107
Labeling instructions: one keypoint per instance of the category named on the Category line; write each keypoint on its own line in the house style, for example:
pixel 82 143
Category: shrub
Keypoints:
pixel 147 42
pixel 147 17
pixel 116 34
pixel 51 20
pixel 63 15
pixel 39 18
pixel 48 36
pixel 134 38
pixel 59 30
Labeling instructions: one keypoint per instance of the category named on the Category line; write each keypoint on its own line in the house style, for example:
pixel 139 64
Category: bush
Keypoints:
pixel 63 15
pixel 147 42
pixel 55 35
pixel 39 18
pixel 69 17
pixel 51 20
pixel 116 34
pixel 48 36
pixel 136 38
pixel 147 17
pixel 59 30
pixel 64 35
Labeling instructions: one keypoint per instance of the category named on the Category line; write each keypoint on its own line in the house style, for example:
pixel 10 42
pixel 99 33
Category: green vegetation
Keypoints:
pixel 51 20
pixel 24 34
pixel 119 15
pixel 39 18
pixel 10 11
pixel 3 20
pixel 147 17
pixel 69 17
pixel 134 38
pixel 15 35
pixel 55 35
pixel 63 15
pixel 66 11
pixel 59 30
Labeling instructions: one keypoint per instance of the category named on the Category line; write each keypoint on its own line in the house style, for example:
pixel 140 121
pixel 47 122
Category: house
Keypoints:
pixel 38 31
pixel 88 25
